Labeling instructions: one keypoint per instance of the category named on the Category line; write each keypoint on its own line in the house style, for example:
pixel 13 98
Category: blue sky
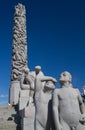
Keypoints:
pixel 55 38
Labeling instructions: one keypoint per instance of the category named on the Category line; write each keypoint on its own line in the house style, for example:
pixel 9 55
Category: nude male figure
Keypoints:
pixel 43 104
pixel 27 83
pixel 68 107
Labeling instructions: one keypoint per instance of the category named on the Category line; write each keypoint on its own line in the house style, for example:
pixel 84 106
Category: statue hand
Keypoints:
pixel 82 119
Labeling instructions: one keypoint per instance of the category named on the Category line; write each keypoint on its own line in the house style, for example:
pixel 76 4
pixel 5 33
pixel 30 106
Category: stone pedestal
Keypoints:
pixel 14 92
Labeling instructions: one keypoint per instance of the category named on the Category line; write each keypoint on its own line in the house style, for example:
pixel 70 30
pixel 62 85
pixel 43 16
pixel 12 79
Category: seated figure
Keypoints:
pixel 43 103
pixel 68 107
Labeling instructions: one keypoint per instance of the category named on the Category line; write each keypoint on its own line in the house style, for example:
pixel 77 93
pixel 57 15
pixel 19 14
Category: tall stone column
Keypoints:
pixel 19 51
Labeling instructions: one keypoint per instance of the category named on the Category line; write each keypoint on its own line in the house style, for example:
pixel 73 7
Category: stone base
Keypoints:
pixel 27 124
pixel 14 92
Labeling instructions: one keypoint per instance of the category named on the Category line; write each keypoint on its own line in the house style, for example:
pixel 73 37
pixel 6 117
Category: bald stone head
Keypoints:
pixel 65 77
pixel 37 69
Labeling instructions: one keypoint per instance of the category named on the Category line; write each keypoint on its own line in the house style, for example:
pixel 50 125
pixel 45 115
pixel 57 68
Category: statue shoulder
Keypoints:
pixel 56 92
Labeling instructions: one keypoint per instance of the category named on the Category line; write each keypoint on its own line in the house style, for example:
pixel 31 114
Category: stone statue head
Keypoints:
pixel 37 69
pixel 49 85
pixel 65 77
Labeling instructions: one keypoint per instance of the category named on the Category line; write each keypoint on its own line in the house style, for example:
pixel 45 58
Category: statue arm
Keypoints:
pixel 55 105
pixel 48 78
pixel 38 82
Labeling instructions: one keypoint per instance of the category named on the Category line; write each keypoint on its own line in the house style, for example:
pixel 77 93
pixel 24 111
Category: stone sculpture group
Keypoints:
pixel 41 105
pixel 49 108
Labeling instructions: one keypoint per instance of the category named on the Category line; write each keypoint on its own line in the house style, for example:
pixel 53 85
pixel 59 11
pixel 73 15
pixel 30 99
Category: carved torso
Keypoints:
pixel 69 109
pixel 43 102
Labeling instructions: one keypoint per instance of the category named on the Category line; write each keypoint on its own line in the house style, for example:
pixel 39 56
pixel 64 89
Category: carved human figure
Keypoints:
pixel 27 83
pixel 37 72
pixel 43 104
pixel 68 107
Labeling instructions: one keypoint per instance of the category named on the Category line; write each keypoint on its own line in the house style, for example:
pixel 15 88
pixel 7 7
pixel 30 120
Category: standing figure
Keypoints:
pixel 68 107
pixel 43 102
pixel 27 83
pixel 37 72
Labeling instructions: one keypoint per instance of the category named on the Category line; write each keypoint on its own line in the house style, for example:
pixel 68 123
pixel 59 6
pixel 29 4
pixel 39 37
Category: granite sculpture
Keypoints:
pixel 40 104
pixel 19 55
pixel 19 52
pixel 29 109
pixel 26 89
pixel 68 107
pixel 43 103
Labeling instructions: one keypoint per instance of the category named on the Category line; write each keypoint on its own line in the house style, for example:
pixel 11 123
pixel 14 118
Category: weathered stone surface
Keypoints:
pixel 19 55
pixel 14 92
pixel 19 51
